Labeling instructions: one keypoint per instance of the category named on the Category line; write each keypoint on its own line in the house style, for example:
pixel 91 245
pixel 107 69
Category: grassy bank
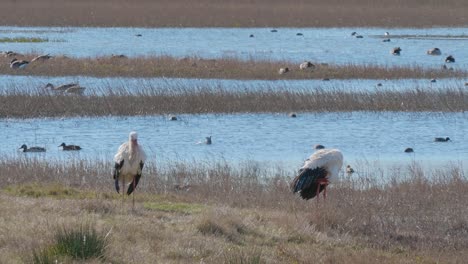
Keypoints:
pixel 244 13
pixel 231 214
pixel 225 68
pixel 219 101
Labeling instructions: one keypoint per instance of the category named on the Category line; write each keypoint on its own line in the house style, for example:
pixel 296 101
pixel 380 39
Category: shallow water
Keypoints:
pixel 325 45
pixel 274 139
pixel 103 86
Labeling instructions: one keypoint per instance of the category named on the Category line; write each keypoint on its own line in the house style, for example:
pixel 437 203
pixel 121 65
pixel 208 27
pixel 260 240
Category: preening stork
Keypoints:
pixel 318 171
pixel 129 162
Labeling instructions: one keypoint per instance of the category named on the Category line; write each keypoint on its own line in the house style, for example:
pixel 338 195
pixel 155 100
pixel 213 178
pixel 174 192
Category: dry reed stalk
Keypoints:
pixel 219 101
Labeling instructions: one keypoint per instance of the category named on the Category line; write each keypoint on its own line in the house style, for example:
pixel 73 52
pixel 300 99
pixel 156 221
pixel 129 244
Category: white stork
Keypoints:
pixel 318 171
pixel 129 162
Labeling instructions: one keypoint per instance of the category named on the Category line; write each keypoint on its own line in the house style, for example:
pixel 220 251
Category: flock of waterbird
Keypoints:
pixel 307 65
pixel 71 88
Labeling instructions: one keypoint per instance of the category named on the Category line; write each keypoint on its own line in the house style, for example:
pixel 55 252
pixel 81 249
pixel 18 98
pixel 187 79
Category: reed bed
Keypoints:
pixel 244 212
pixel 220 101
pixel 244 13
pixel 223 68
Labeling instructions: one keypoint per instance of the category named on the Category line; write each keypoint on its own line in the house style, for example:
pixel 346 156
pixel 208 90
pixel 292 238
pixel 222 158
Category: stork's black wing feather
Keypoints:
pixel 116 174
pixel 306 182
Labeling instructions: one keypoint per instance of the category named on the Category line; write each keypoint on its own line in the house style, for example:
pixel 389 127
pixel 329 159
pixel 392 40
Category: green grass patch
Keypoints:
pixel 184 208
pixel 24 40
pixel 58 191
pixel 80 243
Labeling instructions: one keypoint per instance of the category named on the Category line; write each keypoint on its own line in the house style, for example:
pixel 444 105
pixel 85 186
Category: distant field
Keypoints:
pixel 232 13
pixel 224 68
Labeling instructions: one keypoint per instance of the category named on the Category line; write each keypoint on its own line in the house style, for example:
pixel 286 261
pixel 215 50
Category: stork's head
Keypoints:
pixel 133 137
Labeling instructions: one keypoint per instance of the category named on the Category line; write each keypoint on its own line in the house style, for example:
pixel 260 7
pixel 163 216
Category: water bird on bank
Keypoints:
pixel 318 146
pixel 450 59
pixel 69 147
pixel 25 148
pixel 396 51
pixel 172 118
pixel 41 58
pixel 74 88
pixel 128 164
pixel 386 34
pixel 409 150
pixel 306 65
pixel 118 56
pixel 10 53
pixel 434 51
pixel 441 139
pixel 349 170
pixel 18 64
pixel 283 70
pixel 318 171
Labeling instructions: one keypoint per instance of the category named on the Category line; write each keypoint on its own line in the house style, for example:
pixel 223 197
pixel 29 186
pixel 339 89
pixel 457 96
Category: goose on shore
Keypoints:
pixel 69 147
pixel 25 148
pixel 283 70
pixel 318 171
pixel 41 58
pixel 306 65
pixel 18 64
pixel 68 88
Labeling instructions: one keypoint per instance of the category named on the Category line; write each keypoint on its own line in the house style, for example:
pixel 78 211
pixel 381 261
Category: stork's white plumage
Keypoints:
pixel 321 168
pixel 129 162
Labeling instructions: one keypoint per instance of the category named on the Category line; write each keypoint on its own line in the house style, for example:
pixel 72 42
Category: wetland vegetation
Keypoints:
pixel 219 213
pixel 224 68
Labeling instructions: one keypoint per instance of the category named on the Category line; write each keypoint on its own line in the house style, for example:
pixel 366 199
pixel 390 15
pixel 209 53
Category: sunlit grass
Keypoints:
pixel 173 207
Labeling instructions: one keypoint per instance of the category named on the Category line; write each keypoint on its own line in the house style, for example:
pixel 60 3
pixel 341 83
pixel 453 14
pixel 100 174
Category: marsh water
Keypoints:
pixel 323 45
pixel 273 139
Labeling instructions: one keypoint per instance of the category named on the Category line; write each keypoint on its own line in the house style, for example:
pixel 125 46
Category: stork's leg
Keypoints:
pixel 134 185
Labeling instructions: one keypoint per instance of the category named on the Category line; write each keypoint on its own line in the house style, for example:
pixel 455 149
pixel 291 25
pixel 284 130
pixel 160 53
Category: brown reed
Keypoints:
pixel 243 13
pixel 224 68
pixel 220 101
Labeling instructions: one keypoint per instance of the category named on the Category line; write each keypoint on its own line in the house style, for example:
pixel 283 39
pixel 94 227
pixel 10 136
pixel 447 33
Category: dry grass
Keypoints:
pixel 248 215
pixel 219 101
pixel 244 13
pixel 225 68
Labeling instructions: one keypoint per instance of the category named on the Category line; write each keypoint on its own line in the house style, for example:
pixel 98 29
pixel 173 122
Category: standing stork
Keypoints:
pixel 129 162
pixel 317 172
